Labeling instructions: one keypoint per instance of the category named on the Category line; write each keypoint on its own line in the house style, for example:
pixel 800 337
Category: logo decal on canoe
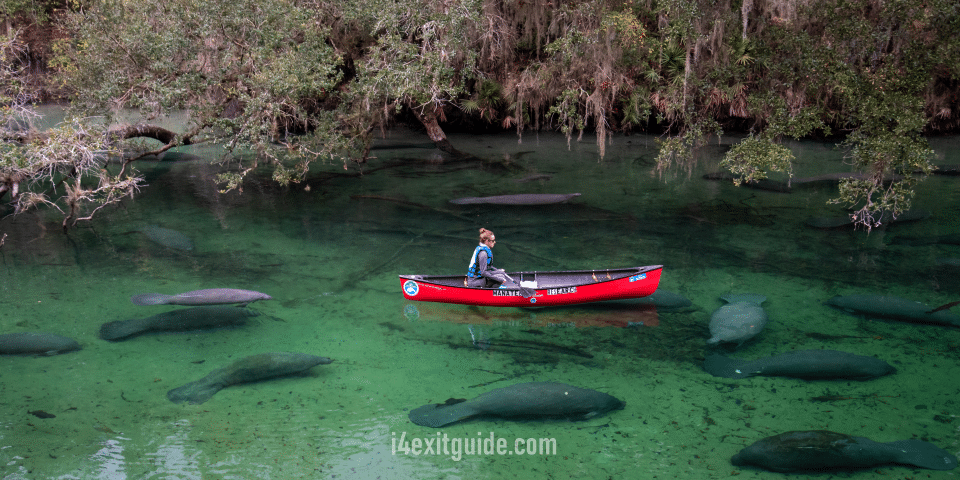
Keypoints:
pixel 638 277
pixel 561 291
pixel 411 288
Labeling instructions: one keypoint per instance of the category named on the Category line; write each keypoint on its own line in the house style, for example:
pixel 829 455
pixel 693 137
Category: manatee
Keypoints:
pixel 36 343
pixel 894 308
pixel 520 199
pixel 837 177
pixel 947 169
pixel 534 177
pixel 764 184
pixel 947 239
pixel 247 369
pixel 196 318
pixel 666 300
pixel 523 400
pixel 167 238
pixel 739 320
pixel 847 222
pixel 806 364
pixel 816 450
pixel 212 296
pixel 947 262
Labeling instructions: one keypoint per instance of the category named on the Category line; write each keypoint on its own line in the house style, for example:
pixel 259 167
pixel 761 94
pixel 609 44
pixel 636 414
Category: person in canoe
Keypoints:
pixel 481 273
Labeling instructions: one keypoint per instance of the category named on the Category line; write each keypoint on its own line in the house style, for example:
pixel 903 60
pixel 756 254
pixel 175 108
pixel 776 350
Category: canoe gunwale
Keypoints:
pixel 457 280
pixel 567 287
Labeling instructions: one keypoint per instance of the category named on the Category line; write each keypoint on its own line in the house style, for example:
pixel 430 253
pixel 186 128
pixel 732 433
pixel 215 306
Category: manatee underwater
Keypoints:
pixel 196 318
pixel 167 237
pixel 806 364
pixel 523 400
pixel 739 320
pixel 894 308
pixel 38 343
pixel 245 370
pixel 816 450
pixel 519 199
pixel 211 296
pixel 666 300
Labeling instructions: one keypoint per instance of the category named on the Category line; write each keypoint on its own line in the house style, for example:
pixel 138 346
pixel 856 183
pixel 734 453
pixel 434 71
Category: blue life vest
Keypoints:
pixel 473 271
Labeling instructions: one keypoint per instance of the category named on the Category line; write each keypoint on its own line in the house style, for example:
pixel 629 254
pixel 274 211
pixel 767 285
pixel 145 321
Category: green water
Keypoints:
pixel 330 256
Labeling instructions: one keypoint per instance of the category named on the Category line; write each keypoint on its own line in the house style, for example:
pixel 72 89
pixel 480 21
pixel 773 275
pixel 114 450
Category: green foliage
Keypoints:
pixel 567 109
pixel 248 71
pixel 63 167
pixel 631 36
pixel 752 158
pixel 636 110
pixel 892 159
pixel 486 101
pixel 37 10
pixel 306 80
pixel 678 152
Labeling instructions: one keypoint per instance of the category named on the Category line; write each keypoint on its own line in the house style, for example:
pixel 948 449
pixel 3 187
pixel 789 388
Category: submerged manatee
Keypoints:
pixel 820 449
pixel 196 318
pixel 739 320
pixel 520 199
pixel 894 308
pixel 847 222
pixel 24 343
pixel 667 300
pixel 534 177
pixel 211 296
pixel 534 399
pixel 167 238
pixel 806 364
pixel 247 369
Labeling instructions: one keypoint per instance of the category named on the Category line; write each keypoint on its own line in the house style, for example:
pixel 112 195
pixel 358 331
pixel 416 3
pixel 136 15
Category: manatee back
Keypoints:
pixel 168 238
pixel 798 451
pixel 666 300
pixel 744 297
pixel 269 365
pixel 737 322
pixel 247 369
pixel 545 399
pixel 36 343
pixel 533 399
pixel 726 367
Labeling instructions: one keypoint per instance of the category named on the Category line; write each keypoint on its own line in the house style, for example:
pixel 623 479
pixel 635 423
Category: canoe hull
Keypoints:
pixel 552 288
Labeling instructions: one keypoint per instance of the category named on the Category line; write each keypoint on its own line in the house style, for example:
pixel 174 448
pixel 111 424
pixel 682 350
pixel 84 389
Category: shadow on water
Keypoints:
pixel 553 335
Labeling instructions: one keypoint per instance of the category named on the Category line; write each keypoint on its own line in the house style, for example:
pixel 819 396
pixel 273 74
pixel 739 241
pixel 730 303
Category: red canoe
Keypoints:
pixel 552 288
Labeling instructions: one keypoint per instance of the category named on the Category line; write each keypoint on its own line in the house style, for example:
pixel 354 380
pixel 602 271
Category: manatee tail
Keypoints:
pixel 120 329
pixel 923 454
pixel 726 367
pixel 437 415
pixel 150 299
pixel 194 392
pixel 466 200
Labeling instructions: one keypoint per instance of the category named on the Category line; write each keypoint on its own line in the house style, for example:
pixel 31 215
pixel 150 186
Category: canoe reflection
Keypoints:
pixel 625 313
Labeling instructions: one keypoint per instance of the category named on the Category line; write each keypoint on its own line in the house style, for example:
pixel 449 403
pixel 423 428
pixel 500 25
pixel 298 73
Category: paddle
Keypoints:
pixel 525 292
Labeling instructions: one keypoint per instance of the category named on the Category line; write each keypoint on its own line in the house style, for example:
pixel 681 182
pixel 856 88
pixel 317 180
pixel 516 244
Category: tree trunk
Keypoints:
pixel 149 131
pixel 429 119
